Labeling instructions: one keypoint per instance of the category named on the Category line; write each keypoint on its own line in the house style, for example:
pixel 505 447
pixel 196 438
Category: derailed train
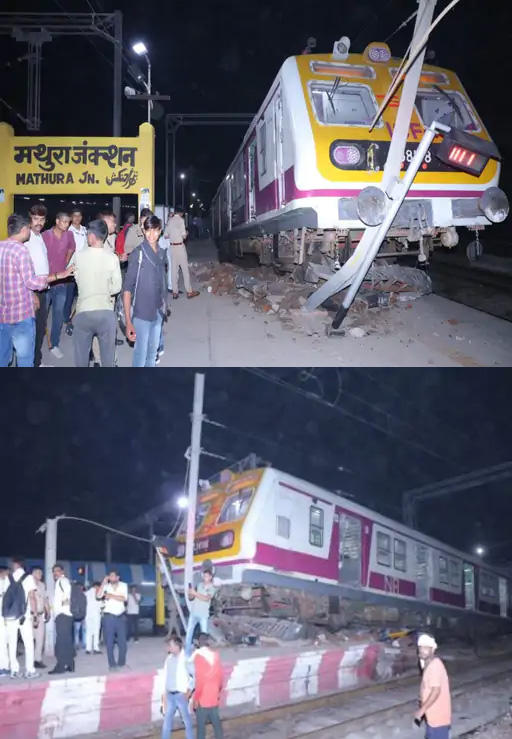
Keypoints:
pixel 281 546
pixel 291 193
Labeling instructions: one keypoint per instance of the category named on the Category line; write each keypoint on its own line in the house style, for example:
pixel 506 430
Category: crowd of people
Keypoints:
pixel 192 678
pixel 100 286
pixel 106 612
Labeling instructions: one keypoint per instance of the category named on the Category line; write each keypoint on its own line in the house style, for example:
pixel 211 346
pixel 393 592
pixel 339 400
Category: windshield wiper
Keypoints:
pixel 333 91
pixel 453 104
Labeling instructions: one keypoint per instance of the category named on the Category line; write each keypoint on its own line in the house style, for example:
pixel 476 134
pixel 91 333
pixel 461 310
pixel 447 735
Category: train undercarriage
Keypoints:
pixel 334 608
pixel 327 250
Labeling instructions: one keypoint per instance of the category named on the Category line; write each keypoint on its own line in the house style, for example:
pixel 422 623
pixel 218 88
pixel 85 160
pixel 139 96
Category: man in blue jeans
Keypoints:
pixel 201 598
pixel 17 303
pixel 115 594
pixel 60 246
pixel 178 686
pixel 145 295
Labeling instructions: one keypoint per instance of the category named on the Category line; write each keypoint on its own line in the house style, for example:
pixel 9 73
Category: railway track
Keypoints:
pixel 354 712
pixel 484 290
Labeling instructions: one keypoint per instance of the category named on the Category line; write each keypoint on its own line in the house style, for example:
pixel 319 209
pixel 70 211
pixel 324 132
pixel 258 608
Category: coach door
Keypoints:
pixel 422 572
pixel 350 550
pixel 503 589
pixel 279 136
pixel 469 586
pixel 252 180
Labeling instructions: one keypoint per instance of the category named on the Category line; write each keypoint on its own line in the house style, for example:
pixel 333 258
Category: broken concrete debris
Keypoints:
pixel 286 295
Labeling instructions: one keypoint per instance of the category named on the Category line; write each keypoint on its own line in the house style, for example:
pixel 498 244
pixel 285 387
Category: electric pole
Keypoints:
pixel 193 480
pixel 49 528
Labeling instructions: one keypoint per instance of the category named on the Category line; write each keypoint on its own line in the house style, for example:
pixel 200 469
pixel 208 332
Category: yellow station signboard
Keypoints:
pixel 37 165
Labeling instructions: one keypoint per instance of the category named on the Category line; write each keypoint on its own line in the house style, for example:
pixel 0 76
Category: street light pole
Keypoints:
pixel 182 177
pixel 49 528
pixel 149 88
pixel 118 94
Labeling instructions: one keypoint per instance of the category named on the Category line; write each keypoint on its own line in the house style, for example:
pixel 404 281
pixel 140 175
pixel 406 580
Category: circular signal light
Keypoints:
pixel 346 156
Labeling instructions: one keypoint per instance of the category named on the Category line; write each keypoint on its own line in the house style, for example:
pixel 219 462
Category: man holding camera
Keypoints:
pixel 115 594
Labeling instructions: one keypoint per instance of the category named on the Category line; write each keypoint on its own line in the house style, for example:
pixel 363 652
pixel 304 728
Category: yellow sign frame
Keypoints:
pixel 53 165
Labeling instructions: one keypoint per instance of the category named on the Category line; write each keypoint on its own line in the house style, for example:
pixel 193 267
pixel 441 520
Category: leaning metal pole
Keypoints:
pixel 379 233
pixel 354 271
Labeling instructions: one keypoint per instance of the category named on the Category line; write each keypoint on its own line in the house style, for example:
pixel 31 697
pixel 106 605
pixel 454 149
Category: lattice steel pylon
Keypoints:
pixel 466 481
pixel 36 29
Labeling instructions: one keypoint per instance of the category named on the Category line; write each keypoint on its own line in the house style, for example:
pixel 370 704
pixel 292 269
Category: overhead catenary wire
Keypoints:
pixel 334 467
pixel 373 21
pixel 414 53
pixel 343 411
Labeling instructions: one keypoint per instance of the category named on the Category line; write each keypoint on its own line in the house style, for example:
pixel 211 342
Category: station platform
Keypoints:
pixel 95 700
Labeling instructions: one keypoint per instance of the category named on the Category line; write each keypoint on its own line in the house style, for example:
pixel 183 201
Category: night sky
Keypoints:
pixel 109 447
pixel 222 57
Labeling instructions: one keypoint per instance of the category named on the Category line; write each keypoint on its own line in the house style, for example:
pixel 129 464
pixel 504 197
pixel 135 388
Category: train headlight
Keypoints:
pixel 371 206
pixel 181 551
pixel 346 156
pixel 494 204
pixel 226 540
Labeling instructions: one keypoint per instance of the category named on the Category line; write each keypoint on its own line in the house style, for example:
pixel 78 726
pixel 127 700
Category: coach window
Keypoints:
pixel 443 571
pixel 283 526
pixel 448 107
pixel 342 104
pixel 454 574
pixel 262 147
pixel 383 549
pixel 400 555
pixel 316 526
pixel 236 506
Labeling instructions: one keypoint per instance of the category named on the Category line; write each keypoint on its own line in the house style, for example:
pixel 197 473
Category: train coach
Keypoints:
pixel 281 546
pixel 291 195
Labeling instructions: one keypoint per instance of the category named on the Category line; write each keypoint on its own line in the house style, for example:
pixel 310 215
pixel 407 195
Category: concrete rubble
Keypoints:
pixel 284 296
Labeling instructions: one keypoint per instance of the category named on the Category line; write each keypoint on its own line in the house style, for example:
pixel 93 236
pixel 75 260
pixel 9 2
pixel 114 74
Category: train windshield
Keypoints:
pixel 343 104
pixel 236 506
pixel 201 511
pixel 446 107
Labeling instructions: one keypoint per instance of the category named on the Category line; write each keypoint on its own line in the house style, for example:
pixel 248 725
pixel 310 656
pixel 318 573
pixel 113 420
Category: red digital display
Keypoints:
pixel 462 157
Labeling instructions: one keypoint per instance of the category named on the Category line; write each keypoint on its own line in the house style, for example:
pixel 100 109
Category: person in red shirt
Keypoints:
pixel 208 685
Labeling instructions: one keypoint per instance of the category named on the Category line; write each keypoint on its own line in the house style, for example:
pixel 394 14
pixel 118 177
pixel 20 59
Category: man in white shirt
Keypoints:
pixel 93 620
pixel 4 654
pixel 115 594
pixel 43 614
pixel 23 625
pixel 132 613
pixel 78 230
pixel 39 256
pixel 64 646
pixel 176 232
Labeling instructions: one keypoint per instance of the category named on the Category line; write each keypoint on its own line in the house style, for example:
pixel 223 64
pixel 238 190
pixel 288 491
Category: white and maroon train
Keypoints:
pixel 292 189
pixel 283 536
